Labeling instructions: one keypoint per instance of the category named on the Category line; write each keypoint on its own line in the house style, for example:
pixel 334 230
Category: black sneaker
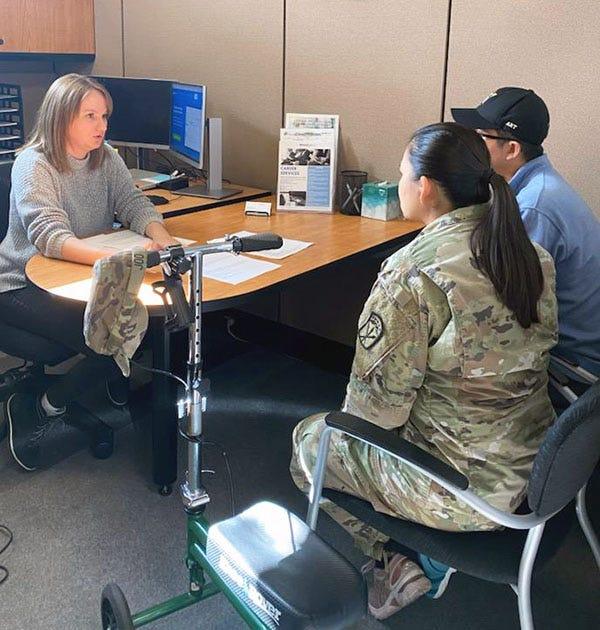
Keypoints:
pixel 37 440
pixel 117 391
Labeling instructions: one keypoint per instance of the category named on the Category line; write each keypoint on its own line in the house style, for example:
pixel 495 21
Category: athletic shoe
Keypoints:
pixel 37 440
pixel 398 584
pixel 439 575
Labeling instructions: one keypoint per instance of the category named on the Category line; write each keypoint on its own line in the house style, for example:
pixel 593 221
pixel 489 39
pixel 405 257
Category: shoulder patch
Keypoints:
pixel 371 331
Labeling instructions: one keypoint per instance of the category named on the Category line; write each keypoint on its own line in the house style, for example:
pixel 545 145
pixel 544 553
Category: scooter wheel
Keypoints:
pixel 115 609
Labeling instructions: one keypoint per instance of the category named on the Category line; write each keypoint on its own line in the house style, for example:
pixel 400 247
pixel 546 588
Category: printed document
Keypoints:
pixel 289 247
pixel 307 164
pixel 233 269
pixel 120 240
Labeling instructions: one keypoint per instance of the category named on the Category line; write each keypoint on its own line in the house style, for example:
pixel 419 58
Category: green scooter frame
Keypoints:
pixel 204 582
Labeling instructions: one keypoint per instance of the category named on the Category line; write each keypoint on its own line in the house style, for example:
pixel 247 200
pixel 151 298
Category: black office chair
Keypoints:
pixel 560 471
pixel 33 350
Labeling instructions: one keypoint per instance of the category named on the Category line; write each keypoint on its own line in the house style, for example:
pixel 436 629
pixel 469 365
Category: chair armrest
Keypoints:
pixel 562 369
pixel 449 478
pixel 392 443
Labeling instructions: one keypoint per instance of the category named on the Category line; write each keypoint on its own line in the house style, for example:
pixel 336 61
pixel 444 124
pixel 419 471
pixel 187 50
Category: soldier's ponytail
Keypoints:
pixel 458 160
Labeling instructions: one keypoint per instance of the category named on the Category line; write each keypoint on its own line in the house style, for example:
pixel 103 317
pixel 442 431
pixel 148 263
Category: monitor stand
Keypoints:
pixel 213 189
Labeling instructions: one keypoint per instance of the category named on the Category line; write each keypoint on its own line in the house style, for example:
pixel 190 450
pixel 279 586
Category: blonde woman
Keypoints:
pixel 67 184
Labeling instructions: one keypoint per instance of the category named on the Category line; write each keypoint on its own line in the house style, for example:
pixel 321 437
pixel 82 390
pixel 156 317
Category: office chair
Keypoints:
pixel 36 352
pixel 565 377
pixel 561 469
pixel 16 342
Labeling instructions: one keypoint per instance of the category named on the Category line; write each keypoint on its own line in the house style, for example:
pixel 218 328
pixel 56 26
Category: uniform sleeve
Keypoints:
pixel 544 232
pixel 131 207
pixel 38 204
pixel 391 354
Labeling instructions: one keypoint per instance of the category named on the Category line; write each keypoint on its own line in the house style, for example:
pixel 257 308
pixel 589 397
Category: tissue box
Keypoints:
pixel 380 201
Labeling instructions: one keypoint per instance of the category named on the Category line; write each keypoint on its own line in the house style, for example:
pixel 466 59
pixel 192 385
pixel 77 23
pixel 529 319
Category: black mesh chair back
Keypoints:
pixel 567 455
pixel 5 169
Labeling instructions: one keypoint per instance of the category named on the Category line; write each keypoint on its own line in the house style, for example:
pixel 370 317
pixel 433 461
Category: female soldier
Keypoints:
pixel 452 352
pixel 67 184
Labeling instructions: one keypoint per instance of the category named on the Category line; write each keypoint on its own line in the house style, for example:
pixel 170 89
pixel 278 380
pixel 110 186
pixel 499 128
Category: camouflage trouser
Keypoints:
pixel 391 487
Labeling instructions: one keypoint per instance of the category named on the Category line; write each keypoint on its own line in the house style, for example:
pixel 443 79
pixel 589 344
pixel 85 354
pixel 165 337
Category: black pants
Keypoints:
pixel 58 320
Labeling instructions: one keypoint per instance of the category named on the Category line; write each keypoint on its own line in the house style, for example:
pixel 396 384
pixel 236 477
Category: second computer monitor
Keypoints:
pixel 188 103
pixel 141 112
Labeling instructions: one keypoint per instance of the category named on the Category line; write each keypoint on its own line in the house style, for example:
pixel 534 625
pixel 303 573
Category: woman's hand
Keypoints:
pixel 161 239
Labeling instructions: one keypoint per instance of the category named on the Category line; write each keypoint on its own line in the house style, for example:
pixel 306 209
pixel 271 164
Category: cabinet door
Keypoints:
pixel 47 26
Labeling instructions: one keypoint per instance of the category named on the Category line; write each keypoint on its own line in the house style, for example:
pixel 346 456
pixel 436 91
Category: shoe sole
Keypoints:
pixel 391 607
pixel 10 437
pixel 443 584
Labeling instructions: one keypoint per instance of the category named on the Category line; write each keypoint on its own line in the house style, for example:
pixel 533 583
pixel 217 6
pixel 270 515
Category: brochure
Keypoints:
pixel 307 162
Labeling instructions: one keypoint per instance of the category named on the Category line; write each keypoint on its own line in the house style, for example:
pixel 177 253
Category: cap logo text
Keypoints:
pixel 511 125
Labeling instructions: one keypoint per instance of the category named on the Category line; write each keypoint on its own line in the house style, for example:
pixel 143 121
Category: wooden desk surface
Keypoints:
pixel 181 204
pixel 335 237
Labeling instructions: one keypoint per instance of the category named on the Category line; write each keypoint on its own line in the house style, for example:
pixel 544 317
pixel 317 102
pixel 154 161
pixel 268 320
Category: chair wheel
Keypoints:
pixel 102 442
pixel 115 609
pixel 165 490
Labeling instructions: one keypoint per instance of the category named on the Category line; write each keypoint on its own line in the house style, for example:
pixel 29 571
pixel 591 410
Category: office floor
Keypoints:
pixel 87 522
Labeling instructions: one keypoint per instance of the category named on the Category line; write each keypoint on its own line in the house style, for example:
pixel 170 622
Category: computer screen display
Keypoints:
pixel 187 122
pixel 141 111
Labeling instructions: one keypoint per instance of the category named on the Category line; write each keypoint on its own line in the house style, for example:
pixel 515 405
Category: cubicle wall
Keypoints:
pixel 234 48
pixel 550 46
pixel 377 63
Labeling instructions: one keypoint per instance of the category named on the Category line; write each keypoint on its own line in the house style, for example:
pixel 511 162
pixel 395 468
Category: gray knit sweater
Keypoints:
pixel 47 207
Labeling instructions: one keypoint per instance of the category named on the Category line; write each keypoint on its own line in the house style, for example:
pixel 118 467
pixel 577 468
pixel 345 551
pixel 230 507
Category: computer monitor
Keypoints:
pixel 142 112
pixel 188 105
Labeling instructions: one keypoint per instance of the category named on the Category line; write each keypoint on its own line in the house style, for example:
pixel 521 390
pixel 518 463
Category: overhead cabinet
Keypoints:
pixel 47 27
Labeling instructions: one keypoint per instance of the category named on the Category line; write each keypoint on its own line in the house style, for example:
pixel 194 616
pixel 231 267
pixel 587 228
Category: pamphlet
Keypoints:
pixel 308 151
pixel 306 166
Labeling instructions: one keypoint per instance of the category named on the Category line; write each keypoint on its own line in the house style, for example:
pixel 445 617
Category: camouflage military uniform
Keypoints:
pixel 441 361
pixel 115 321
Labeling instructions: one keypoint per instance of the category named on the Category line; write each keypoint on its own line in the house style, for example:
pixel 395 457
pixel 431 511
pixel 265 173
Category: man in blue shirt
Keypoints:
pixel 514 123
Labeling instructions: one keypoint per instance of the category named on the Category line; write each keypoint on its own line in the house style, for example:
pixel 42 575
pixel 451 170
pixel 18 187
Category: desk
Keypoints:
pixel 336 237
pixel 182 204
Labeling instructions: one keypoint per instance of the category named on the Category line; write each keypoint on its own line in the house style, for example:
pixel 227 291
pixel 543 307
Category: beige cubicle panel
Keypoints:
pixel 109 38
pixel 552 47
pixel 235 49
pixel 377 63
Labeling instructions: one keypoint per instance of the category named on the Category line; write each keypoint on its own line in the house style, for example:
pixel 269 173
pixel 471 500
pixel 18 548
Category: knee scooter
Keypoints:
pixel 272 567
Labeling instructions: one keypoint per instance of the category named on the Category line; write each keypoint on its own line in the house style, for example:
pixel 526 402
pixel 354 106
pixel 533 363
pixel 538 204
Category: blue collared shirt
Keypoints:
pixel 556 217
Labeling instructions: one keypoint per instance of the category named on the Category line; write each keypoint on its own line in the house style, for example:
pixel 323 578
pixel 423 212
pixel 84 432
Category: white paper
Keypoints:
pixel 121 240
pixel 81 290
pixel 289 247
pixel 258 207
pixel 233 269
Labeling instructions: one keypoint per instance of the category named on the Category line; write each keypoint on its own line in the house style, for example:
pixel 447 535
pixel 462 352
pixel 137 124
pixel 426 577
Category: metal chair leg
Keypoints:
pixel 586 524
pixel 525 570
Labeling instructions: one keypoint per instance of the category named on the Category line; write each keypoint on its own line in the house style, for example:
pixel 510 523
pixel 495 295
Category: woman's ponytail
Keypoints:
pixel 503 251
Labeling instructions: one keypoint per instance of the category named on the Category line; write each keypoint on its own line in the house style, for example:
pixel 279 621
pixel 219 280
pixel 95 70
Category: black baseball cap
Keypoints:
pixel 519 111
